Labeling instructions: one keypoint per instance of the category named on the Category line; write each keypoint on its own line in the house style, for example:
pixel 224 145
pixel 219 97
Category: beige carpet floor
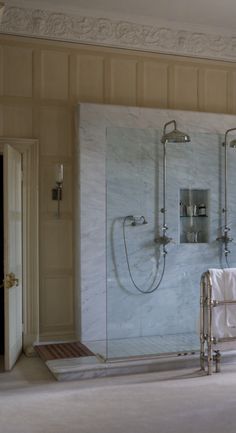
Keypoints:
pixel 167 402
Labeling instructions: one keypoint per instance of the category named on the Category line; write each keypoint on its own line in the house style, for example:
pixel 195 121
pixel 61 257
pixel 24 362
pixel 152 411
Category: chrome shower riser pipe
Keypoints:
pixel 164 189
pixel 225 210
pixel 224 238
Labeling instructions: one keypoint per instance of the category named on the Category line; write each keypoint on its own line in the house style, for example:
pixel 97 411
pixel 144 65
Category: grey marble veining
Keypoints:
pixel 121 174
pixel 73 369
pixel 140 346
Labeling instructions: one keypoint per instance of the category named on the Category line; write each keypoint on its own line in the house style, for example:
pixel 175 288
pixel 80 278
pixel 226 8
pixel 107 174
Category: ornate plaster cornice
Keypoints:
pixel 116 33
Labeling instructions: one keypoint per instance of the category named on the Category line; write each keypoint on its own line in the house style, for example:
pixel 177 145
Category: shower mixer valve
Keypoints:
pixel 163 240
pixel 225 239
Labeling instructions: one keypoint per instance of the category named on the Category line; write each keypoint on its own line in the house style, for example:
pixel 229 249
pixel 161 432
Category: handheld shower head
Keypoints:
pixel 137 219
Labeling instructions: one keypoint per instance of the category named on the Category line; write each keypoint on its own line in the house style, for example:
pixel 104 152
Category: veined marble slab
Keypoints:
pixel 119 147
pixel 73 369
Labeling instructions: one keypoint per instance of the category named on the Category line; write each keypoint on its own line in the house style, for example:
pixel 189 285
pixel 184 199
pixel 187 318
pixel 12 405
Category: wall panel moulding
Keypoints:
pixel 63 26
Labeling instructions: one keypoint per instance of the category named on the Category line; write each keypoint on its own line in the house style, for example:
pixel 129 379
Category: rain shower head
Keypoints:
pixel 233 144
pixel 174 136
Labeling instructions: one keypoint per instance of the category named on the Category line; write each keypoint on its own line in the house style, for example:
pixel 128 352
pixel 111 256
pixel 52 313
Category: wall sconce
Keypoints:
pixel 2 7
pixel 57 190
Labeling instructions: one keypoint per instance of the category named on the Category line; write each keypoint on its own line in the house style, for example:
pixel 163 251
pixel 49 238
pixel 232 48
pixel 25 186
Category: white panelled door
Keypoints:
pixel 12 255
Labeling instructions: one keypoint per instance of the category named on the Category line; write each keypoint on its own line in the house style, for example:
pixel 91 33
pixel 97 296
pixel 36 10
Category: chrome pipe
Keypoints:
pixel 209 324
pixel 216 303
pixel 225 339
pixel 225 183
pixel 224 237
pixel 163 210
pixel 174 136
pixel 202 339
pixel 217 359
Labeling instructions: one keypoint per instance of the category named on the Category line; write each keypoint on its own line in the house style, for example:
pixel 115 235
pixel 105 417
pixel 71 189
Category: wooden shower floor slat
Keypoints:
pixel 48 352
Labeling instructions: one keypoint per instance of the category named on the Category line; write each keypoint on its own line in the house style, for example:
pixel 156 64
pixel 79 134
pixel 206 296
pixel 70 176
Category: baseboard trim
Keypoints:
pixel 57 337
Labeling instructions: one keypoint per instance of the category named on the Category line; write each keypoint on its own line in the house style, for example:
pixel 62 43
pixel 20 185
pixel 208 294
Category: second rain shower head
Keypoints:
pixel 233 144
pixel 229 143
pixel 225 238
pixel 174 136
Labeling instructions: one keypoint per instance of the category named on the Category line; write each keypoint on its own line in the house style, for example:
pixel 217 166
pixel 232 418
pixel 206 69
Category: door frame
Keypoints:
pixel 29 149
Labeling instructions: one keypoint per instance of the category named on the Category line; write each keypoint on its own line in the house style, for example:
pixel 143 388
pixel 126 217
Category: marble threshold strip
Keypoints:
pixel 93 367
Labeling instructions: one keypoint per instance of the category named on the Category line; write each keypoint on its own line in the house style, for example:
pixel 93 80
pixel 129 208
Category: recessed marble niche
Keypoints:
pixel 108 307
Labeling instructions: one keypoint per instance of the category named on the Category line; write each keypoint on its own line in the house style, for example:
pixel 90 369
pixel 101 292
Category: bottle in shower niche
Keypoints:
pixel 182 209
pixel 202 209
pixel 194 228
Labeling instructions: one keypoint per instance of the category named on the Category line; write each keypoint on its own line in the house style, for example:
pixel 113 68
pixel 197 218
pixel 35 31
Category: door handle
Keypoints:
pixel 11 280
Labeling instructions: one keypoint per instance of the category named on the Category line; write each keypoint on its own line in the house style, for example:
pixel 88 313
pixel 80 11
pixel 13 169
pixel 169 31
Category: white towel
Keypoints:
pixel 230 295
pixel 223 288
pixel 218 313
pixel 217 278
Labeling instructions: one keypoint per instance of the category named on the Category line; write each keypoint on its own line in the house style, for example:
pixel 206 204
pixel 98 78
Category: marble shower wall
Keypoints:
pixel 121 174
pixel 134 187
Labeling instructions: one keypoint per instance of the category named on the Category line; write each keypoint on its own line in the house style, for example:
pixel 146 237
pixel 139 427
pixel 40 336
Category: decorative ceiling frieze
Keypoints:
pixel 42 23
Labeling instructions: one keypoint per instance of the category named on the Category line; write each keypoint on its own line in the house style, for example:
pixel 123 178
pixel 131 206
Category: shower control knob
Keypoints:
pixel 163 240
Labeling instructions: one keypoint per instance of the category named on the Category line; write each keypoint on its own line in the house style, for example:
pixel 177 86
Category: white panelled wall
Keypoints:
pixel 41 83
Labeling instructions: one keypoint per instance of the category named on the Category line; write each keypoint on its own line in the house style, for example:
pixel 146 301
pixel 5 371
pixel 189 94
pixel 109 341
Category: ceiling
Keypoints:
pixel 214 14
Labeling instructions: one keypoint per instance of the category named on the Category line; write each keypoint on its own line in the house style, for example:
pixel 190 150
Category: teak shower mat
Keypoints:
pixel 48 352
